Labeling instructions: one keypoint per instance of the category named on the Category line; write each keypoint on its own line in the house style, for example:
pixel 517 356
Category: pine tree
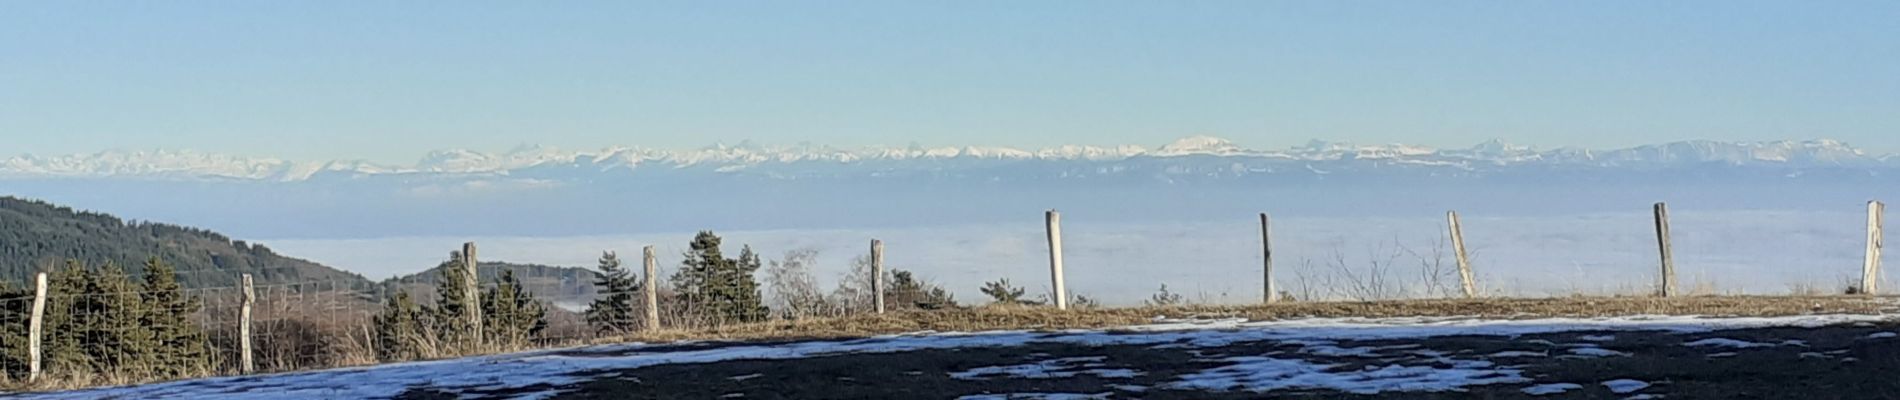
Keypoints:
pixel 613 311
pixel 906 291
pixel 15 310
pixel 401 329
pixel 718 287
pixel 182 348
pixel 1164 298
pixel 110 319
pixel 1001 292
pixel 511 318
pixel 746 301
pixel 450 315
pixel 64 343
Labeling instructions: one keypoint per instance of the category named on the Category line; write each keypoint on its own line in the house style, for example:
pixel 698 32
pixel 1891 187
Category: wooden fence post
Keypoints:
pixel 1465 279
pixel 1053 221
pixel 245 362
pixel 1266 256
pixel 1870 267
pixel 1668 257
pixel 472 288
pixel 35 326
pixel 652 290
pixel 877 274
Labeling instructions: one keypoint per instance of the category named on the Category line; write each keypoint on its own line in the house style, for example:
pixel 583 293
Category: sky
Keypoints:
pixel 388 81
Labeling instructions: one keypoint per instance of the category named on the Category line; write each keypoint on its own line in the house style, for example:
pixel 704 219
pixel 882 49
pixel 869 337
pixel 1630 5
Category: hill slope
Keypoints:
pixel 38 236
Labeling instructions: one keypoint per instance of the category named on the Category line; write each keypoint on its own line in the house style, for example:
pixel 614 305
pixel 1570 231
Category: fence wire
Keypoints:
pixel 109 328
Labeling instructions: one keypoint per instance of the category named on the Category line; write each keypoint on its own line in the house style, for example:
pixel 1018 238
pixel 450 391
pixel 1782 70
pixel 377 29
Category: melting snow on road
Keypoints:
pixel 556 368
pixel 1551 388
pixel 1265 374
pixel 1725 342
pixel 1625 386
pixel 1057 368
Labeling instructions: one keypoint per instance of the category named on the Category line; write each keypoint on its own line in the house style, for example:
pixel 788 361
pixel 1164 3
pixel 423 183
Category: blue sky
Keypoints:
pixel 387 81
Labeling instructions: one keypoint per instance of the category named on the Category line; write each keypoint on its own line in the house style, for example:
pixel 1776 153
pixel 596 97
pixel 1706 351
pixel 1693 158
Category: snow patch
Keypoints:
pixel 1057 368
pixel 1725 342
pixel 1518 354
pixel 1551 388
pixel 569 366
pixel 1265 374
pixel 1597 352
pixel 1625 386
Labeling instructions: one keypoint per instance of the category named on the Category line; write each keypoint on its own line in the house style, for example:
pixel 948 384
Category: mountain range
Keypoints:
pixel 807 160
pixel 540 191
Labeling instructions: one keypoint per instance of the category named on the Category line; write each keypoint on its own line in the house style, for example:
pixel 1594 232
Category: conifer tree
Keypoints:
pixel 745 300
pixel 109 318
pixel 1001 292
pixel 906 291
pixel 613 311
pixel 181 349
pixel 450 314
pixel 510 315
pixel 15 308
pixel 400 329
pixel 64 343
pixel 719 287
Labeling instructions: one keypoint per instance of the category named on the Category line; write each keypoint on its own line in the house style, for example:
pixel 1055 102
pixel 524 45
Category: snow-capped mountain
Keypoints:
pixel 1190 155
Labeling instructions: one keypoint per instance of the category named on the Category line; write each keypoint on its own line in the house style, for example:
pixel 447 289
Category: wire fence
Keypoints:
pixel 102 325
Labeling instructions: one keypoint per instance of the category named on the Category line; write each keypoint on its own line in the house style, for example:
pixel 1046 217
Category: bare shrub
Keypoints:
pixel 792 288
pixel 1437 276
pixel 1375 281
pixel 854 293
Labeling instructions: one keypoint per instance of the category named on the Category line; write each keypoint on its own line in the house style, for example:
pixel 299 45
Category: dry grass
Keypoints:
pixel 1036 318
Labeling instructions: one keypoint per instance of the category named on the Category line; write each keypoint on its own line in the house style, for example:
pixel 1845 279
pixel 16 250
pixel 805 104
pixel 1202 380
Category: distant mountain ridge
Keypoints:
pixel 802 160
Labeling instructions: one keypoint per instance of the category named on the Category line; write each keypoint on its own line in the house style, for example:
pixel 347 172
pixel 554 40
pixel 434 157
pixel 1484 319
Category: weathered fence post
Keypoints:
pixel 1870 268
pixel 1464 260
pixel 1053 221
pixel 245 363
pixel 652 290
pixel 1266 256
pixel 472 288
pixel 34 327
pixel 877 274
pixel 1668 257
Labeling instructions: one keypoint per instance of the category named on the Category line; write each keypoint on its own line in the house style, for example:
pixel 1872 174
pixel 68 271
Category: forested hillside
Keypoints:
pixel 36 236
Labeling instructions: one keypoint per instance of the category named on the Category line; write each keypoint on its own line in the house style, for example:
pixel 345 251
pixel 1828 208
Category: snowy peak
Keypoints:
pixel 774 160
pixel 1200 144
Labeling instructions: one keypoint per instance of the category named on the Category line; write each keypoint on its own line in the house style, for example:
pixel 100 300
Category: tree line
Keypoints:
pixel 102 324
pixel 511 318
pixel 710 288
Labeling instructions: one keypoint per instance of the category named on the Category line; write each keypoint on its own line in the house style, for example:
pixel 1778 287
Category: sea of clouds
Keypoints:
pixel 1760 252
